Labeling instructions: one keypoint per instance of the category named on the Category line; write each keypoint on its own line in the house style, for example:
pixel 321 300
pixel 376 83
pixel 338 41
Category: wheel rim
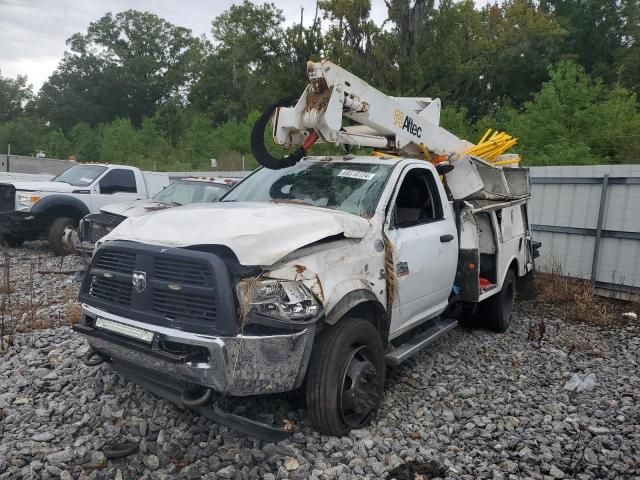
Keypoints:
pixel 360 391
pixel 67 244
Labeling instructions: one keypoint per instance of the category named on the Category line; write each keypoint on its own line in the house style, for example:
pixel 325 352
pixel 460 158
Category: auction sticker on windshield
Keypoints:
pixel 356 174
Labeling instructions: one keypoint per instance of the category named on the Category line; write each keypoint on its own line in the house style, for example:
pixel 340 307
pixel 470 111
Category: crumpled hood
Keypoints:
pixel 258 233
pixel 47 186
pixel 135 209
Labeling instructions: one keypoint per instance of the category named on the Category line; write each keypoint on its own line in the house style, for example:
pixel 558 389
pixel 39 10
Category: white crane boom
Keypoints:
pixel 385 122
pixel 408 126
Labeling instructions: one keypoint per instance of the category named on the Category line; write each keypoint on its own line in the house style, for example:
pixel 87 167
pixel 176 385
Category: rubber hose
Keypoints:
pixel 258 147
pixel 93 359
pixel 189 398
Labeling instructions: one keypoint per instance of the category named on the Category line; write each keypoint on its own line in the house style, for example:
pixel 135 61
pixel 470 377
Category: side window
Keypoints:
pixel 418 200
pixel 118 181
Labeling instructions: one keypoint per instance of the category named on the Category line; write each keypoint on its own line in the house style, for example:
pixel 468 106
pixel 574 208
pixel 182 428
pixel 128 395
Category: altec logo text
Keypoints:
pixel 407 123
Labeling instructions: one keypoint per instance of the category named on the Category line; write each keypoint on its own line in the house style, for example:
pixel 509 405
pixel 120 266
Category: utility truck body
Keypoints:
pixel 235 295
pixel 314 273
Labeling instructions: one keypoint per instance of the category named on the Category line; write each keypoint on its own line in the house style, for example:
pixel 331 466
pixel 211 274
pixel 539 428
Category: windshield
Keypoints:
pixel 183 192
pixel 346 186
pixel 80 175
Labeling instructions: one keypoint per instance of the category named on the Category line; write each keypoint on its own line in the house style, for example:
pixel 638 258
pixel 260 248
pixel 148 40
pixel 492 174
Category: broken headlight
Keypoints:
pixel 277 298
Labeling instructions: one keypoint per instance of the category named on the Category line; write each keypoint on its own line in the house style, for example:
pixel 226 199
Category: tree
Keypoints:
pixel 85 142
pixel 14 95
pixel 351 28
pixel 240 71
pixel 121 143
pixel 125 65
pixel 527 42
pixel 595 31
pixel 576 120
pixel 25 136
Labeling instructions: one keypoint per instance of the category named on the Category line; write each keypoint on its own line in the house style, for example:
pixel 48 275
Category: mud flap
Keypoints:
pixel 526 289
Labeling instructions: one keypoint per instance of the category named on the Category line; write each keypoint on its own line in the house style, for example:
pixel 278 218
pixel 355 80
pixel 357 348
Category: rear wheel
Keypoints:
pixel 345 378
pixel 497 310
pixel 57 233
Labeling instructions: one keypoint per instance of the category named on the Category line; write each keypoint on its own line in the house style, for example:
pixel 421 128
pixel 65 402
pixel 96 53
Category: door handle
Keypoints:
pixel 446 238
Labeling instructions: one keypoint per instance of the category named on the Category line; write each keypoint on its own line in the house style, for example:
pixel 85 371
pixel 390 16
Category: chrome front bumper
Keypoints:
pixel 239 365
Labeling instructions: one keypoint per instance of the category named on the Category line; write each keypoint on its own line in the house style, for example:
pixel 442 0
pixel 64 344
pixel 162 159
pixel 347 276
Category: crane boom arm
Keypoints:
pixel 383 121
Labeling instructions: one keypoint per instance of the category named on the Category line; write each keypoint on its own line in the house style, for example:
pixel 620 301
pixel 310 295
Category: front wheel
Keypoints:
pixel 57 233
pixel 345 377
pixel 497 310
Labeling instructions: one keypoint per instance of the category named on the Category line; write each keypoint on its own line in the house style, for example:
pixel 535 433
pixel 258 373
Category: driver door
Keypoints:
pixel 422 229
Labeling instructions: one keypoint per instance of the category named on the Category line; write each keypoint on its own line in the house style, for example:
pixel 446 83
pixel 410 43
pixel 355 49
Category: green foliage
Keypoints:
pixel 125 65
pixel 575 120
pixel 121 143
pixel 14 95
pixel 85 142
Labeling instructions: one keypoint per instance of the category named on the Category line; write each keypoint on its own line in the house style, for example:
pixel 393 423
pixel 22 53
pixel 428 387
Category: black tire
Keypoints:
pixel 345 377
pixel 258 147
pixel 56 232
pixel 8 240
pixel 497 310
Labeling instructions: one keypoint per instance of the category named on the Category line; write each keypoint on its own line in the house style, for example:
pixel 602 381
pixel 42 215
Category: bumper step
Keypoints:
pixel 416 343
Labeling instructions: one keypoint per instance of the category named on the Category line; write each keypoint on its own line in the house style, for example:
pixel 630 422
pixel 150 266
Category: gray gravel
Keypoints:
pixel 38 294
pixel 475 404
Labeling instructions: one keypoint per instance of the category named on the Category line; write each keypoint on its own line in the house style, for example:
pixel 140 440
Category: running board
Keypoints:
pixel 400 353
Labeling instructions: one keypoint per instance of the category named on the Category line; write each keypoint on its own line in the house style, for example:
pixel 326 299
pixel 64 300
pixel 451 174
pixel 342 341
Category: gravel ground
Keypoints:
pixel 474 405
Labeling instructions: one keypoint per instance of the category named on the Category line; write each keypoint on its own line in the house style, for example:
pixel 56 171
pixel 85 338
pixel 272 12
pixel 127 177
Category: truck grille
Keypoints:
pixel 111 290
pixel 7 197
pixel 175 287
pixel 190 273
pixel 121 262
pixel 173 305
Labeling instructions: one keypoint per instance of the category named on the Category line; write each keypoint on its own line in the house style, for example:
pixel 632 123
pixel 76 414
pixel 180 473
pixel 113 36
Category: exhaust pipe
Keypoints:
pixel 195 396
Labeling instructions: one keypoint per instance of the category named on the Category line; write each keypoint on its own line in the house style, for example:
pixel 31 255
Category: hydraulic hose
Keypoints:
pixel 195 396
pixel 93 359
pixel 259 149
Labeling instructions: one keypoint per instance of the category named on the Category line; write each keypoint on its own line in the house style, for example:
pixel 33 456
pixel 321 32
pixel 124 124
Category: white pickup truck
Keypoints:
pixel 31 210
pixel 317 272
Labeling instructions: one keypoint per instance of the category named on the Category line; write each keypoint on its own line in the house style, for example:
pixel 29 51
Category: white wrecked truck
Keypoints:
pixel 315 275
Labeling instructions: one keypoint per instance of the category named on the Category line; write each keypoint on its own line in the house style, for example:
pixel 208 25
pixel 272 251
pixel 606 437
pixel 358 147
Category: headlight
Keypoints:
pixel 25 200
pixel 277 298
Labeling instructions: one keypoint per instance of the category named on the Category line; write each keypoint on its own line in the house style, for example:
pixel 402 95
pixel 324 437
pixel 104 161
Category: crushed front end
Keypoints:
pixel 177 321
pixel 91 229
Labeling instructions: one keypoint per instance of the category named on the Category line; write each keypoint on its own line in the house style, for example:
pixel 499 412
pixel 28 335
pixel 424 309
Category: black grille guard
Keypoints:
pixel 141 308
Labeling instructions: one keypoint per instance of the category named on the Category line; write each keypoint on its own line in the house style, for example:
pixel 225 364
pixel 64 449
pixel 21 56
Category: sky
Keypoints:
pixel 33 32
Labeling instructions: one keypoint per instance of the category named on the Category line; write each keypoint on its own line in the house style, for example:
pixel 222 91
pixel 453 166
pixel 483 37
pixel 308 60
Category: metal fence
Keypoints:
pixel 588 220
